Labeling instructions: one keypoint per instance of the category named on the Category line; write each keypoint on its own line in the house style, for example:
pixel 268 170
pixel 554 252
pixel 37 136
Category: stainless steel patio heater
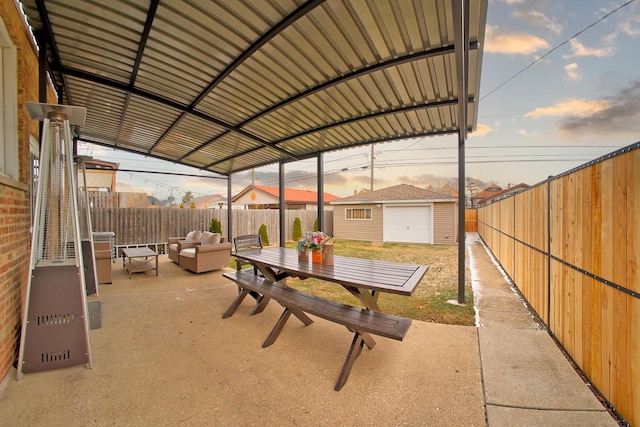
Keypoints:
pixel 86 236
pixel 55 325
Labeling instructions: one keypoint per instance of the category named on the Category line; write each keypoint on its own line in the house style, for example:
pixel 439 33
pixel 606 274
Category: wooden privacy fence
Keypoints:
pixel 153 226
pixel 471 220
pixel 572 246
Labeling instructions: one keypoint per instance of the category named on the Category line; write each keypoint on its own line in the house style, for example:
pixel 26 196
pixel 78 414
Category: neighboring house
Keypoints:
pixel 101 175
pixel 402 213
pixel 264 197
pixel 448 190
pixel 494 193
pixel 215 201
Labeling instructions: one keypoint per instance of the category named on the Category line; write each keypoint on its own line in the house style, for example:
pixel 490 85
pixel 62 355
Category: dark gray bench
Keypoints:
pixel 361 322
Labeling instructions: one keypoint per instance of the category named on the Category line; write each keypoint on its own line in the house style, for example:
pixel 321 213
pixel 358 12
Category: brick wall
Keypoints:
pixel 14 197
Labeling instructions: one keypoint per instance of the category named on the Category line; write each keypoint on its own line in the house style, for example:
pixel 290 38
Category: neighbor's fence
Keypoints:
pixel 471 220
pixel 99 199
pixel 153 226
pixel 572 246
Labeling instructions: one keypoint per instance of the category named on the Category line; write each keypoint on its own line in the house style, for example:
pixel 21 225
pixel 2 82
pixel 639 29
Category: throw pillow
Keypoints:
pixel 193 235
pixel 207 238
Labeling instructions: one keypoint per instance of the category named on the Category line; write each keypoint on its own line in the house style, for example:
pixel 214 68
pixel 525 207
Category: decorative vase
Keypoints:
pixel 316 256
pixel 303 255
pixel 327 254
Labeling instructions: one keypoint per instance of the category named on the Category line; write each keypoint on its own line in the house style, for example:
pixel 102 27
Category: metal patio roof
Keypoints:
pixel 229 85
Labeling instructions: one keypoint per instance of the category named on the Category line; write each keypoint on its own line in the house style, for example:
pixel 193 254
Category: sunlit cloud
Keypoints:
pixel 574 107
pixel 539 19
pixel 513 1
pixel 618 115
pixel 578 49
pixel 481 130
pixel 498 40
pixel 528 134
pixel 573 73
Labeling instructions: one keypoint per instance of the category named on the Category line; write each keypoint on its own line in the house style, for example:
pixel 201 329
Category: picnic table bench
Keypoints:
pixel 276 264
pixel 358 320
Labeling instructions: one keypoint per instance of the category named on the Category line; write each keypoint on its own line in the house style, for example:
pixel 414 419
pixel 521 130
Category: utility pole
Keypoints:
pixel 372 167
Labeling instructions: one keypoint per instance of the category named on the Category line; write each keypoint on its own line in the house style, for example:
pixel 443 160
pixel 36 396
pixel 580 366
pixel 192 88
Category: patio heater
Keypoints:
pixel 86 236
pixel 55 324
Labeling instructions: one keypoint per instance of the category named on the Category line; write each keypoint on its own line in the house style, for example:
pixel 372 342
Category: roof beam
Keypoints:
pixel 368 70
pixel 438 104
pixel 151 15
pixel 253 48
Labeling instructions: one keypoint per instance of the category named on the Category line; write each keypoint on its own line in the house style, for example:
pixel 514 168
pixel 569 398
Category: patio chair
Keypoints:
pixel 248 241
pixel 240 243
pixel 210 253
pixel 177 244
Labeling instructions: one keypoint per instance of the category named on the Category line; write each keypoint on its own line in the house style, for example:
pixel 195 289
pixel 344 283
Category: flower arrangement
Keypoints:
pixel 313 241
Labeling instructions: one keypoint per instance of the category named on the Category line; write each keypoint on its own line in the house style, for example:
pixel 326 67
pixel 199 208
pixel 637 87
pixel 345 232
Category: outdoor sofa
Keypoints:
pixel 209 252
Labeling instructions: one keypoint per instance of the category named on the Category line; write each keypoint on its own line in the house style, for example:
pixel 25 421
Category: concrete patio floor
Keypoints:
pixel 164 356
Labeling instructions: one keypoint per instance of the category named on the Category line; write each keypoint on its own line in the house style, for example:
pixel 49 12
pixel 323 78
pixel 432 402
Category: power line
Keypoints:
pixel 605 16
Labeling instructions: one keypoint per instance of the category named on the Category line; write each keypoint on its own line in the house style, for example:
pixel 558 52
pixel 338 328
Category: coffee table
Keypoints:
pixel 139 259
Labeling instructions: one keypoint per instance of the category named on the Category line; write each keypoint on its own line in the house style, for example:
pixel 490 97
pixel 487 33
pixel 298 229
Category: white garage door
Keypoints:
pixel 408 224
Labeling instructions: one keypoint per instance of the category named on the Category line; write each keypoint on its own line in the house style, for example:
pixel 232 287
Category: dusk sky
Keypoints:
pixel 560 86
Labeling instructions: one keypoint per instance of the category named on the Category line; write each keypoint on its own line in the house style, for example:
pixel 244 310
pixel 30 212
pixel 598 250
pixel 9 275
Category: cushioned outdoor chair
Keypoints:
pixel 176 244
pixel 211 252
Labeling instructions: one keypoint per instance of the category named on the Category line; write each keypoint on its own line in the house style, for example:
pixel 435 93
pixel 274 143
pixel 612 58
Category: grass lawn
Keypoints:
pixel 429 300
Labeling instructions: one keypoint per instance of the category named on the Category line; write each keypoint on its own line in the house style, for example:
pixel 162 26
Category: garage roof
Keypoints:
pixel 229 85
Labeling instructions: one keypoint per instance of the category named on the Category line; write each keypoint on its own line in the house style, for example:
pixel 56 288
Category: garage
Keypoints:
pixel 408 224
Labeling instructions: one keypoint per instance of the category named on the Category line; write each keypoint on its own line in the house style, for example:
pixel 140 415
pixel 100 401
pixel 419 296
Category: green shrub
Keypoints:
pixel 297 229
pixel 264 235
pixel 315 225
pixel 215 226
pixel 193 205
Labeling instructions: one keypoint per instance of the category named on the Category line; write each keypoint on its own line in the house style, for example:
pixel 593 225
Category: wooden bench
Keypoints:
pixel 361 322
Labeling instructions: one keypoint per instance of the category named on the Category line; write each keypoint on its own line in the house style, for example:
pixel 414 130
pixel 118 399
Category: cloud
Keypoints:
pixel 575 107
pixel 481 130
pixel 578 49
pixel 538 18
pixel 498 40
pixel 620 115
pixel 573 73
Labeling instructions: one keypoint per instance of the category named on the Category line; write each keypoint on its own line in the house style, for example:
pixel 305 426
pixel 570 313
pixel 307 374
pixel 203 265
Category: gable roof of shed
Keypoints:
pixel 227 85
pixel 401 192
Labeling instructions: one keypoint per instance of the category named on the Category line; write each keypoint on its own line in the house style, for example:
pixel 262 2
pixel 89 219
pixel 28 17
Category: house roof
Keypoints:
pixel 227 86
pixel 494 195
pixel 488 192
pixel 397 193
pixel 210 201
pixel 291 195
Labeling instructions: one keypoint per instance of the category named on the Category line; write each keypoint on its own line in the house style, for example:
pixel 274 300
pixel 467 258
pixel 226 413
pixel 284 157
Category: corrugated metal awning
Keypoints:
pixel 229 85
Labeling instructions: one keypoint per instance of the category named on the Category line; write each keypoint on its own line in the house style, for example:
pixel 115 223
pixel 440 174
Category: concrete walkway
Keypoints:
pixel 527 379
pixel 163 356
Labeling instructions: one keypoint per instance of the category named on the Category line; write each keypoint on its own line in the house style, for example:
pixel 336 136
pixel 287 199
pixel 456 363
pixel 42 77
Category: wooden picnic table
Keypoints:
pixel 364 278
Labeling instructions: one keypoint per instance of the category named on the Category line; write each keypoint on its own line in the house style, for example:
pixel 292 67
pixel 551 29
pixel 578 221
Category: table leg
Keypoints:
pixel 157 272
pixel 369 299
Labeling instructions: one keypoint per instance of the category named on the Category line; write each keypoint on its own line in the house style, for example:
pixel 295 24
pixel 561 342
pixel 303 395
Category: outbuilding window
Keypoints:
pixel 357 213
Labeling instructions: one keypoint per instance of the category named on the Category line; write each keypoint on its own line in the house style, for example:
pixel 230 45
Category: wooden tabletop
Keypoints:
pixel 383 276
